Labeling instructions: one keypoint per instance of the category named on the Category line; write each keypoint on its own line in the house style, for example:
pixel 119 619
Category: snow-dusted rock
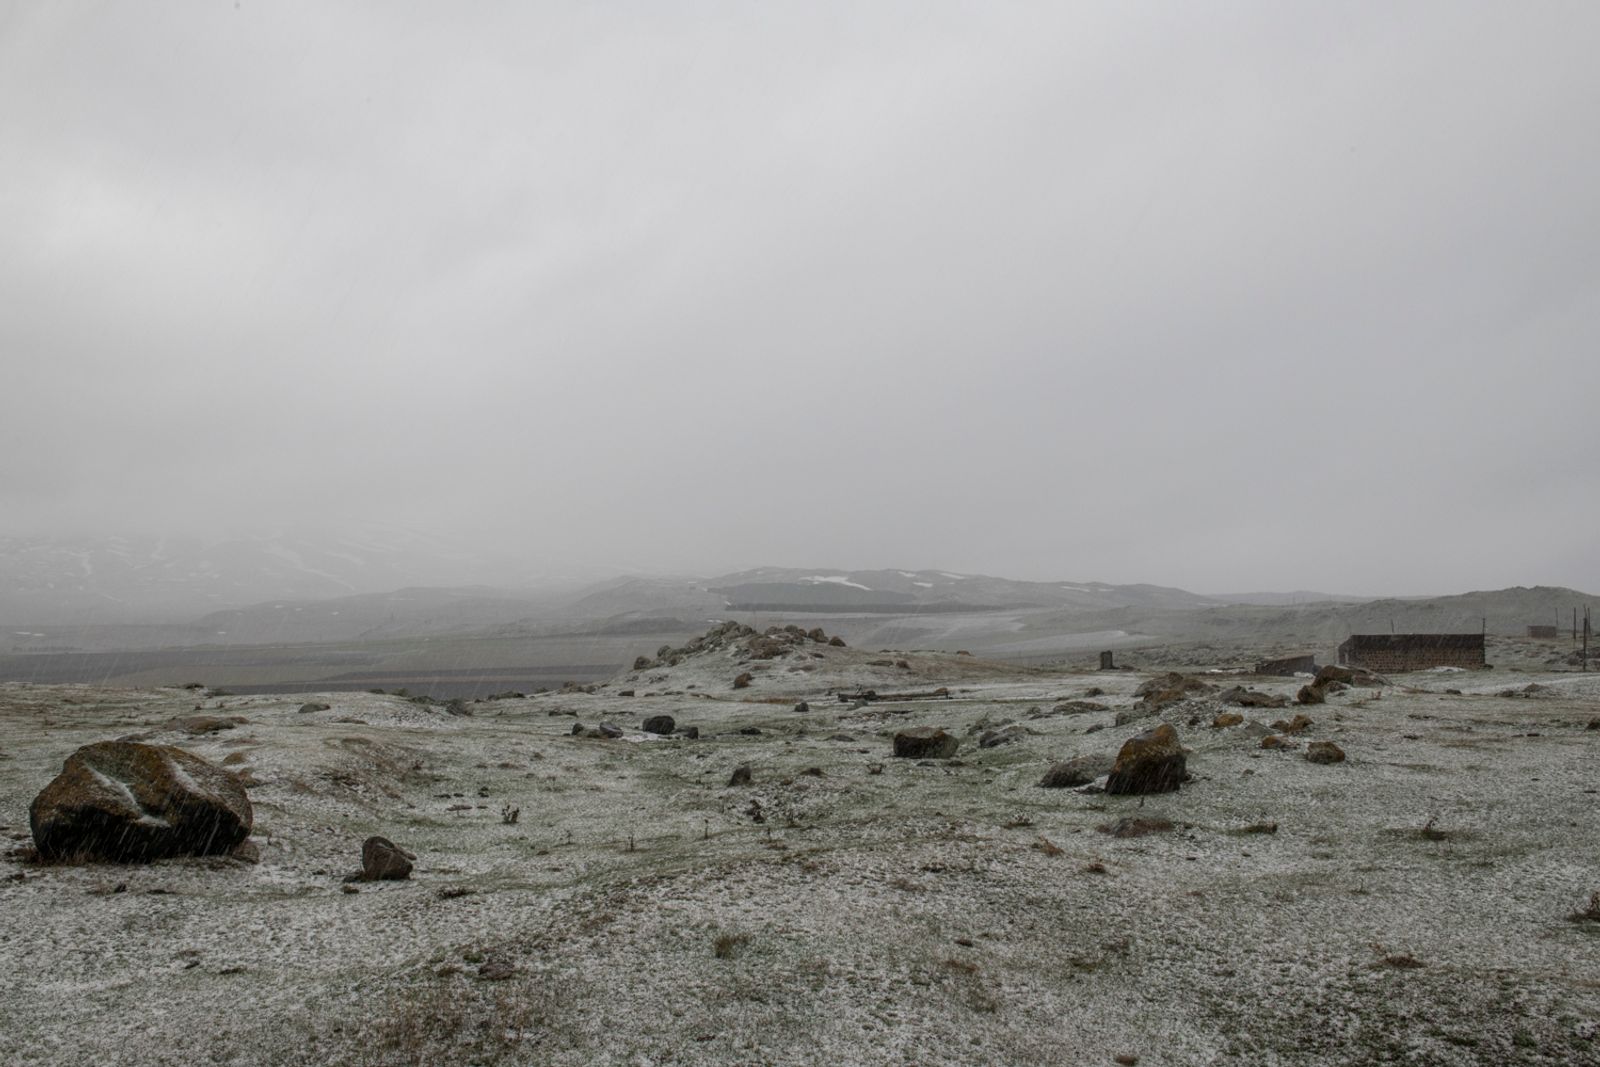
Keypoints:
pixel 384 861
pixel 128 803
pixel 925 742
pixel 1152 762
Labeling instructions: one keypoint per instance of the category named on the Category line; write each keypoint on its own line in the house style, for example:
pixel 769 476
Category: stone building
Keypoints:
pixel 1412 652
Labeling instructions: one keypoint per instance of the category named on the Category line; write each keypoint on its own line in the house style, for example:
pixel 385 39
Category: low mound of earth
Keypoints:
pixel 581 899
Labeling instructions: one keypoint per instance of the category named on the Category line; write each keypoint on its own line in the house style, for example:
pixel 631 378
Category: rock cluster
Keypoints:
pixel 1332 679
pixel 745 641
pixel 1170 688
pixel 1250 698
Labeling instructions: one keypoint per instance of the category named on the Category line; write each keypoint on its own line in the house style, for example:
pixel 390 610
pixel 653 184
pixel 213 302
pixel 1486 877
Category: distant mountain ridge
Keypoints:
pixel 381 584
pixel 888 591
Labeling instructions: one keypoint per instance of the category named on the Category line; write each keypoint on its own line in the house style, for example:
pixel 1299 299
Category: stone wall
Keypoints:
pixel 1397 653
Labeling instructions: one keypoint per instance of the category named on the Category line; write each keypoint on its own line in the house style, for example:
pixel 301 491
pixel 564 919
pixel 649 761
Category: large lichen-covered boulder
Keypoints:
pixel 925 742
pixel 125 802
pixel 1151 762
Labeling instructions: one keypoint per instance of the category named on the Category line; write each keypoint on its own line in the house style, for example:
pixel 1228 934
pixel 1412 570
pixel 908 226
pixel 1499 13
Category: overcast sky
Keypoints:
pixel 1225 296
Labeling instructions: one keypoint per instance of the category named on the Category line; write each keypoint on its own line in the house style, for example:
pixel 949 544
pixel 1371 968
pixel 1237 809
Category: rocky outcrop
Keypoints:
pixel 925 742
pixel 744 642
pixel 1152 762
pixel 125 802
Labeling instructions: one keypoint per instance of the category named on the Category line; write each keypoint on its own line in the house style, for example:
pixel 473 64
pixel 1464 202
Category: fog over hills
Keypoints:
pixel 148 578
pixel 305 589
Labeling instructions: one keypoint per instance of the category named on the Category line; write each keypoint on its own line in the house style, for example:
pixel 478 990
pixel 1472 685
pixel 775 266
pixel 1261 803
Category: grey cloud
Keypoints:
pixel 1226 297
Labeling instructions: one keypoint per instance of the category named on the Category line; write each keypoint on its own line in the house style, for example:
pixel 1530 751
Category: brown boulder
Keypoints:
pixel 1324 752
pixel 743 681
pixel 1274 741
pixel 1311 694
pixel 925 742
pixel 125 802
pixel 1152 762
pixel 384 861
pixel 1227 718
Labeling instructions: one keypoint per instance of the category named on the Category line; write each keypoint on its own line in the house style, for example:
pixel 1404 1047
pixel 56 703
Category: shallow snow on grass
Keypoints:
pixel 845 907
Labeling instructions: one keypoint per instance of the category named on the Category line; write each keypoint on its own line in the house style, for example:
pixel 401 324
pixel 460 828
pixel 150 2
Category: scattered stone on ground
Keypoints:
pixel 1002 736
pixel 384 861
pixel 925 742
pixel 659 724
pixel 1297 725
pixel 1152 762
pixel 1324 752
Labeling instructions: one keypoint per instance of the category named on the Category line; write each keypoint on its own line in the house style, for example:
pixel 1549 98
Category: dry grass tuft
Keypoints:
pixel 728 944
pixel 452 1021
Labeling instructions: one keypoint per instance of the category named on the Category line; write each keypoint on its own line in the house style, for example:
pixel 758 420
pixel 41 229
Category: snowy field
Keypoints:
pixel 1414 905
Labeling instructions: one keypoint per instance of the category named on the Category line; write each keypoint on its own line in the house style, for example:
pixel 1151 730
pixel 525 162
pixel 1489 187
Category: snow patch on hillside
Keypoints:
pixel 835 579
